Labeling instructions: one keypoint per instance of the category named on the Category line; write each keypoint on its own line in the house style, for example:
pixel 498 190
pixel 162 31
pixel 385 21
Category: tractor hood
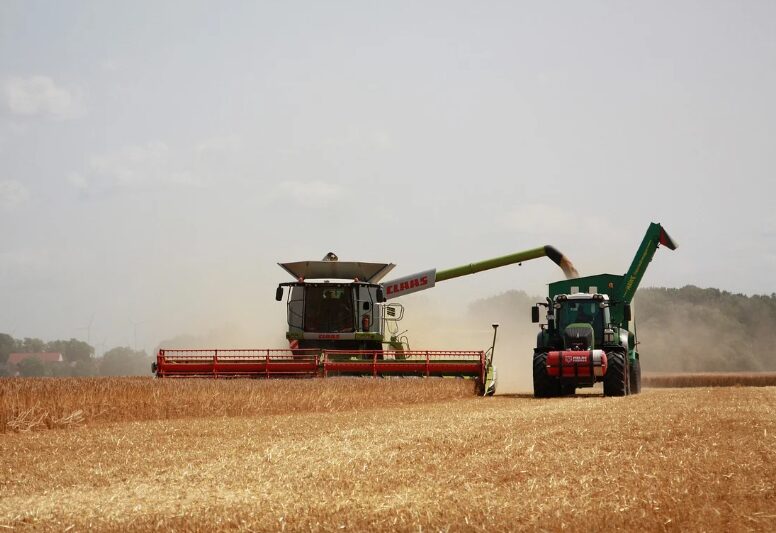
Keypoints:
pixel 368 272
pixel 579 336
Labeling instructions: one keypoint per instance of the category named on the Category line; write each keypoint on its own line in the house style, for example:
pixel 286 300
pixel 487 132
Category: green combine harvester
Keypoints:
pixel 341 324
pixel 590 334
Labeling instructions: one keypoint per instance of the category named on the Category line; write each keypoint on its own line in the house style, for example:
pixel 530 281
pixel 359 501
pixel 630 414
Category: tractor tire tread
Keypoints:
pixel 544 385
pixel 635 377
pixel 616 378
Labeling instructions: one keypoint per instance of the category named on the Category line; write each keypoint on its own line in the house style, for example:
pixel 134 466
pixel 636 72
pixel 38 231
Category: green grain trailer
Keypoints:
pixel 590 334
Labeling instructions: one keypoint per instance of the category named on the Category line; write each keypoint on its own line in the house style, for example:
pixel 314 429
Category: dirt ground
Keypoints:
pixel 700 459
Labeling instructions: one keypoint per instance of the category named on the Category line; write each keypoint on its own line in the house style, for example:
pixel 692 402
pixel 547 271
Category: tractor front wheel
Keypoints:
pixel 616 378
pixel 544 385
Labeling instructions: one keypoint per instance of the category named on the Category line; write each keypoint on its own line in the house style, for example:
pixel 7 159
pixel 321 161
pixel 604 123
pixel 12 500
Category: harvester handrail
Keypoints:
pixel 236 353
pixel 404 355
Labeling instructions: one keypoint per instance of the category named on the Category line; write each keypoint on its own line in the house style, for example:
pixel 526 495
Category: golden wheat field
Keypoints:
pixel 384 455
pixel 711 379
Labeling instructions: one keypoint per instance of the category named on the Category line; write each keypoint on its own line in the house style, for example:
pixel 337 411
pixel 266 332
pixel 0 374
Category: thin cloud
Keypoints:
pixel 131 164
pixel 24 263
pixel 78 181
pixel 310 193
pixel 544 219
pixel 40 96
pixel 153 164
pixel 220 146
pixel 12 193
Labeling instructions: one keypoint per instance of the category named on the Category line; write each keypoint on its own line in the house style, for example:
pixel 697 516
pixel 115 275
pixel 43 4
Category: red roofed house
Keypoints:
pixel 45 357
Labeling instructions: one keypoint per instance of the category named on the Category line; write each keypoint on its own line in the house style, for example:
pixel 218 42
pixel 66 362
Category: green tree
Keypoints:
pixel 84 367
pixel 72 350
pixel 7 345
pixel 32 366
pixel 30 345
pixel 58 370
pixel 124 361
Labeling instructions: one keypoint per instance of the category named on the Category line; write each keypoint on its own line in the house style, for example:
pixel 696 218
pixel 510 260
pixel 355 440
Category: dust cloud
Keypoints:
pixel 223 306
pixel 432 326
pixel 705 330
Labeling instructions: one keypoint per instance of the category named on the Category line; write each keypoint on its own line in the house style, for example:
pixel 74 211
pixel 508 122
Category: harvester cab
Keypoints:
pixel 590 334
pixel 335 305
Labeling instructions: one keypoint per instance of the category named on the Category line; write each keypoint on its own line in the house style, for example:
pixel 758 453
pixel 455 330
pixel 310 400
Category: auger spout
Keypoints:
pixel 655 236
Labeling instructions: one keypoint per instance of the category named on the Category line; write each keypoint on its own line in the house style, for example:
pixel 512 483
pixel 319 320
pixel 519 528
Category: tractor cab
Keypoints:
pixel 581 319
pixel 578 308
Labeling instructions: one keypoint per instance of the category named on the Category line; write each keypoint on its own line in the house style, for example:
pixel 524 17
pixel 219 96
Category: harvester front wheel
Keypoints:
pixel 616 378
pixel 635 377
pixel 544 386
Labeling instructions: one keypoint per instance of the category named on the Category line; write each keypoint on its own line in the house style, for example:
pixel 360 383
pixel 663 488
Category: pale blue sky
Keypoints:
pixel 158 158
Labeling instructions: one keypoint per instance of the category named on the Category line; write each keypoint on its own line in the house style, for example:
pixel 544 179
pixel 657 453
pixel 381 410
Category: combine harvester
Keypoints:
pixel 340 324
pixel 590 334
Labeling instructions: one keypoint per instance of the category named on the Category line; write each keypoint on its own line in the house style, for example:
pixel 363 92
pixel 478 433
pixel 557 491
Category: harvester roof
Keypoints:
pixel 368 272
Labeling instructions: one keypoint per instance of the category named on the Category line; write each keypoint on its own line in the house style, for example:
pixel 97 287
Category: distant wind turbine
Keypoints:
pixel 102 346
pixel 136 324
pixel 88 330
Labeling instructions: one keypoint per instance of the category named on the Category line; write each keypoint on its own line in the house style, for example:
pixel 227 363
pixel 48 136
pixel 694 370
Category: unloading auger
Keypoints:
pixel 339 323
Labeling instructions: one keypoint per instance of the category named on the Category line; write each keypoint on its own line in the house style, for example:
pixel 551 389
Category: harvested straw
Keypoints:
pixel 48 403
pixel 711 379
pixel 665 460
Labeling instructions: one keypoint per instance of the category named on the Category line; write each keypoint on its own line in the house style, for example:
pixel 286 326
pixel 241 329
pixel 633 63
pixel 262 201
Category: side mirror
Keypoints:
pixel 626 312
pixel 380 295
pixel 365 307
pixel 279 293
pixel 535 314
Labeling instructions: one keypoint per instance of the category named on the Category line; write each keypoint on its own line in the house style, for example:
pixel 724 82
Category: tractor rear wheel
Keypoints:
pixel 616 378
pixel 544 385
pixel 635 377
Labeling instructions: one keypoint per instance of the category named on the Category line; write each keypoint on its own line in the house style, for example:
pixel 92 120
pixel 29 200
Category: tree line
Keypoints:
pixel 78 359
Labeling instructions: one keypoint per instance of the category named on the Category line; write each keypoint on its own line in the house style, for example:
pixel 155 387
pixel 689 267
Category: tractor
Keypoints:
pixel 590 332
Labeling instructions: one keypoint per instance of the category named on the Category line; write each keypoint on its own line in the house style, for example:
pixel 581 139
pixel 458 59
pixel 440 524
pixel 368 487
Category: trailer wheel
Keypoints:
pixel 635 377
pixel 544 385
pixel 616 378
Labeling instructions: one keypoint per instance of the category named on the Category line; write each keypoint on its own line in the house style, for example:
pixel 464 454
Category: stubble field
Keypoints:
pixel 362 454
